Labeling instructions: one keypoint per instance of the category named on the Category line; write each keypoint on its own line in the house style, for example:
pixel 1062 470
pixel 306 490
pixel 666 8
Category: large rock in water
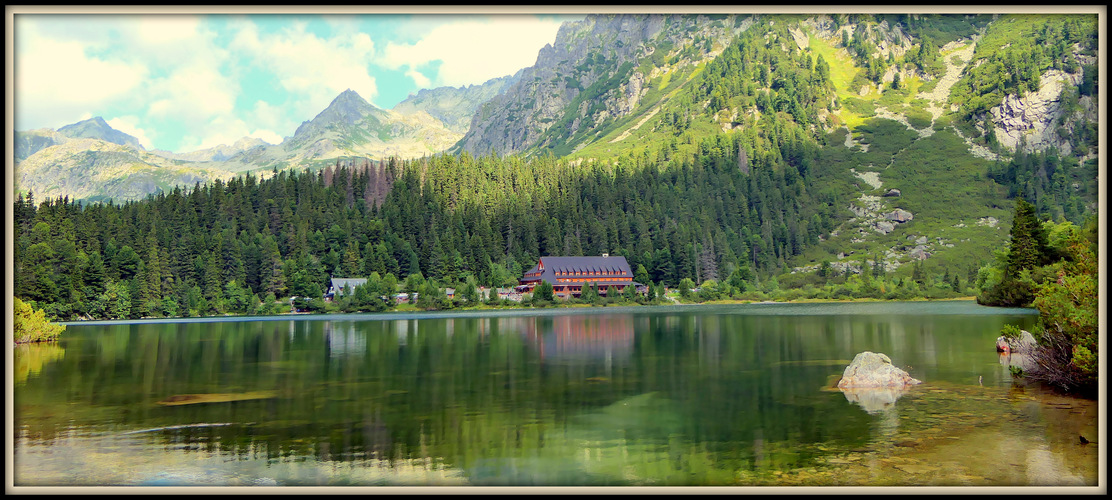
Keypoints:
pixel 873 369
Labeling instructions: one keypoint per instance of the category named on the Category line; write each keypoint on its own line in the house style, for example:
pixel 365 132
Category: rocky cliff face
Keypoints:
pixel 1031 121
pixel 591 74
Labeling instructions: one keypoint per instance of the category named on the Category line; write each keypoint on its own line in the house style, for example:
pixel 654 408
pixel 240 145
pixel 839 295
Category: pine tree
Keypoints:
pixel 1028 240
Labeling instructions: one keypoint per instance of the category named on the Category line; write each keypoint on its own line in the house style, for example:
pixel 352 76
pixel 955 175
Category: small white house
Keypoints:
pixel 336 289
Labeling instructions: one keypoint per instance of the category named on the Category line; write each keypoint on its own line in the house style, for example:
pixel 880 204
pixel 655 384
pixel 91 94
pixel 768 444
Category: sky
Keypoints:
pixel 182 82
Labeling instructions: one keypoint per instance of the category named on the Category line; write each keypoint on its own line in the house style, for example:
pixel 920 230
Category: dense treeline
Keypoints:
pixel 756 74
pixel 743 201
pixel 1058 186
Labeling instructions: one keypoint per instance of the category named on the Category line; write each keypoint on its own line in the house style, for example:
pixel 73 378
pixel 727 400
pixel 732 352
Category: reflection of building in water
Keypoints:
pixel 582 337
pixel 343 340
pixel 402 329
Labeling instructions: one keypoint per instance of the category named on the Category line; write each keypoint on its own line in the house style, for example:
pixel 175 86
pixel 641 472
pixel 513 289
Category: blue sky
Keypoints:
pixel 184 82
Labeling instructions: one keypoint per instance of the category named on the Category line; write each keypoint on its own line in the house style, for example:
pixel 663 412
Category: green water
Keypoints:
pixel 707 395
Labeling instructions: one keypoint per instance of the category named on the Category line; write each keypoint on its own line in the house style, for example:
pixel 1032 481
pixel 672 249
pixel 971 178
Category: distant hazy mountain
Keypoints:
pixel 454 106
pixel 85 168
pixel 97 128
pixel 351 127
pixel 91 160
pixel 216 153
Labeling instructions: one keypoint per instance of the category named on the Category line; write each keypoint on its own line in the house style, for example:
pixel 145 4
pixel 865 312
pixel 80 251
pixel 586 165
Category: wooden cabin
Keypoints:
pixel 569 275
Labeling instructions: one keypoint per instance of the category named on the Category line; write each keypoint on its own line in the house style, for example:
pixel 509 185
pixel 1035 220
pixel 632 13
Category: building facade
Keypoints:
pixel 570 275
pixel 336 288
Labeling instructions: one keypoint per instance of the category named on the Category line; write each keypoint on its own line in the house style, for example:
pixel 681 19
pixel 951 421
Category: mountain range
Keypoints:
pixel 609 84
pixel 89 160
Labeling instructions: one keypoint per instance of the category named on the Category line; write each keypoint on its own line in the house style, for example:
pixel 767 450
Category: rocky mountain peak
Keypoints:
pixel 348 107
pixel 97 128
pixel 346 110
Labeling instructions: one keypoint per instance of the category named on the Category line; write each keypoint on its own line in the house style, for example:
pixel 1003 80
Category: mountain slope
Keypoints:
pixel 576 88
pixel 454 106
pixel 97 128
pixel 96 169
pixel 32 141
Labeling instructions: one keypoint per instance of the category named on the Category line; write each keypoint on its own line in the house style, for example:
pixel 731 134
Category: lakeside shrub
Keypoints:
pixel 30 325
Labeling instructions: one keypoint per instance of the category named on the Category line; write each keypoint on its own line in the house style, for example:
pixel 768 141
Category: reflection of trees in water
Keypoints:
pixel 742 389
pixel 31 358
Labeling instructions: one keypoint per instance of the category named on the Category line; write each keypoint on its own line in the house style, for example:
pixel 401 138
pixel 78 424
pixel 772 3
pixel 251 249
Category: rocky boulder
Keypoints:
pixel 892 193
pixel 874 370
pixel 898 215
pixel 1025 343
pixel 883 227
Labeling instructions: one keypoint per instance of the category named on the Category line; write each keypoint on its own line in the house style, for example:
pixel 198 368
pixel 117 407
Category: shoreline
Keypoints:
pixel 556 307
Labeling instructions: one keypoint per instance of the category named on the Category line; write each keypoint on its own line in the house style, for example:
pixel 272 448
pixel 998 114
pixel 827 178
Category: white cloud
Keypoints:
pixel 474 50
pixel 266 135
pixel 193 93
pixel 130 126
pixel 266 115
pixel 220 130
pixel 165 30
pixel 133 70
pixel 162 77
pixel 419 78
pixel 313 70
pixel 56 80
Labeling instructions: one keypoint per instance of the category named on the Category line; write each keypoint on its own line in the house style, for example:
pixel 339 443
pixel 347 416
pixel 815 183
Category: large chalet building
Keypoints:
pixel 568 275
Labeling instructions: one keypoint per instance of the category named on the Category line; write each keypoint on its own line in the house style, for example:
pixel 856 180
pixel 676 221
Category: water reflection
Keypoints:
pixel 1019 360
pixel 602 398
pixel 31 358
pixel 608 337
pixel 874 400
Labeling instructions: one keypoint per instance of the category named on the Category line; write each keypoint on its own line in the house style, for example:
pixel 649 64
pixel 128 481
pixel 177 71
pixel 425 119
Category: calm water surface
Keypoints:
pixel 674 395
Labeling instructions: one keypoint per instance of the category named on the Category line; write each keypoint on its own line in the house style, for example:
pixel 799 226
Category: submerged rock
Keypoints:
pixel 872 369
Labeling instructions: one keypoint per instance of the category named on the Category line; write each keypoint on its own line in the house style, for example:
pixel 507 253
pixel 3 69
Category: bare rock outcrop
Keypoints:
pixel 1031 119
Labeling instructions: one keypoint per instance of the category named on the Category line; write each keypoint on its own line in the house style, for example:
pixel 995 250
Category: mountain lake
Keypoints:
pixel 706 395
